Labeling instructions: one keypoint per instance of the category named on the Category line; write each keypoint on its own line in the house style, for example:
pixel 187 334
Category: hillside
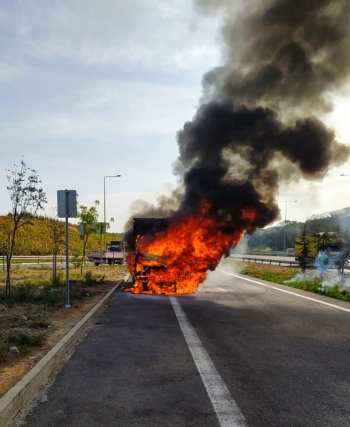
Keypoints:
pixel 36 239
pixel 273 237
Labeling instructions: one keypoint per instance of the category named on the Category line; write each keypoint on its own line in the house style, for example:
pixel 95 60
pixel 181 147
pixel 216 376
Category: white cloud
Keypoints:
pixel 144 33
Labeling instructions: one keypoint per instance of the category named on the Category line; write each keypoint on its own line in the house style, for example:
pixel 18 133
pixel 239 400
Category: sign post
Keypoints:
pixel 67 208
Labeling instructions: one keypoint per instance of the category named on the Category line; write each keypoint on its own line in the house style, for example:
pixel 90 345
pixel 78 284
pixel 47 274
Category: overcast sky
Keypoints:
pixel 93 88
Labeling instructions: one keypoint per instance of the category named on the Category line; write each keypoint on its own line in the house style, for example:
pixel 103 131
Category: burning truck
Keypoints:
pixel 172 255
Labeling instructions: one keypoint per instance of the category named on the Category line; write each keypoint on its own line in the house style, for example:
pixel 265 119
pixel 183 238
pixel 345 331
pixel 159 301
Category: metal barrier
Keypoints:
pixel 266 261
pixel 36 259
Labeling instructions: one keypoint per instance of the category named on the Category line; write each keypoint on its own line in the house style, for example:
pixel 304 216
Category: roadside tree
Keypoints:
pixel 343 257
pixel 26 200
pixel 305 259
pixel 88 223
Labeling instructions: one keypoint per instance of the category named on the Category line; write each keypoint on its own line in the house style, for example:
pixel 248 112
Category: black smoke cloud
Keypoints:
pixel 282 53
pixel 260 121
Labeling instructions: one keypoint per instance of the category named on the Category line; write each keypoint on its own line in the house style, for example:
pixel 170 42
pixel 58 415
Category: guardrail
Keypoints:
pixel 37 258
pixel 265 261
pixel 17 260
pixel 266 253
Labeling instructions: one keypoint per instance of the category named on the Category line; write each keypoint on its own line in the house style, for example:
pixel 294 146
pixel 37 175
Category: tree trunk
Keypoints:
pixel 8 264
pixel 84 252
pixel 83 258
pixel 54 265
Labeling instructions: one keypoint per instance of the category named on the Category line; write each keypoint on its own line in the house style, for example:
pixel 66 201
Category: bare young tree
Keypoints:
pixel 26 200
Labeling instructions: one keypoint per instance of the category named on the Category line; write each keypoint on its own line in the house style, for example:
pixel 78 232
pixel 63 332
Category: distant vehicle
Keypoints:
pixel 114 254
pixel 290 251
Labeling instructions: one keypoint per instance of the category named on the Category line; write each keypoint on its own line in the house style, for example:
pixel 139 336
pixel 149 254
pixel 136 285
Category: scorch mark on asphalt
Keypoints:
pixel 287 292
pixel 227 411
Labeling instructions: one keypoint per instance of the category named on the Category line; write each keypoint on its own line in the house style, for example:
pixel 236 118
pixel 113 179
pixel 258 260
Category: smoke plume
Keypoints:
pixel 260 120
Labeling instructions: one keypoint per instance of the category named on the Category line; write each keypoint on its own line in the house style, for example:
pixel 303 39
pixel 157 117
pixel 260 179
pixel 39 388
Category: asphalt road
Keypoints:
pixel 237 353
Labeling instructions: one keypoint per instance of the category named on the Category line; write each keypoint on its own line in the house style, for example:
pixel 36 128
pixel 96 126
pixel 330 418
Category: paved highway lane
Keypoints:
pixel 243 354
pixel 284 358
pixel 133 369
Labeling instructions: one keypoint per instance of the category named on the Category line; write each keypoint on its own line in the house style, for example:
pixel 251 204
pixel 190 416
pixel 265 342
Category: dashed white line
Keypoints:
pixel 287 292
pixel 227 411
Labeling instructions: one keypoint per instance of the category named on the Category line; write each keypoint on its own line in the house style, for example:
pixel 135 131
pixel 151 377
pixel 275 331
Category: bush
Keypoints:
pixel 23 339
pixel 4 353
pixel 59 279
pixel 24 292
pixel 77 291
pixel 40 323
pixel 51 296
pixel 76 260
pixel 89 278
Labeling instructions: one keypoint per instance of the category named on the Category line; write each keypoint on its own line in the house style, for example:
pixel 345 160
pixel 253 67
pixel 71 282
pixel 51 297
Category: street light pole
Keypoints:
pixel 104 202
pixel 285 222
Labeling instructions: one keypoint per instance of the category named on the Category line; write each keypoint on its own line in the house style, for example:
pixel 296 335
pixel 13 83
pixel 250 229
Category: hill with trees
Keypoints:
pixel 273 237
pixel 37 238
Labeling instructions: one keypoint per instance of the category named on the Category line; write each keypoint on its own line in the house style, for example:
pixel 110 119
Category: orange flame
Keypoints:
pixel 181 255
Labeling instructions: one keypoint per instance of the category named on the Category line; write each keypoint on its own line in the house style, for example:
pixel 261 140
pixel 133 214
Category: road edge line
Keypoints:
pixel 288 292
pixel 27 387
pixel 225 407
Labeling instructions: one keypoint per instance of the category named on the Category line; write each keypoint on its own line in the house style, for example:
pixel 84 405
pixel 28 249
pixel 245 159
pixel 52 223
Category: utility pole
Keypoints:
pixel 104 202
pixel 285 221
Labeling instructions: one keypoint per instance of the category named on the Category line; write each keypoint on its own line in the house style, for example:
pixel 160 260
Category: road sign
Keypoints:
pixel 67 208
pixel 66 204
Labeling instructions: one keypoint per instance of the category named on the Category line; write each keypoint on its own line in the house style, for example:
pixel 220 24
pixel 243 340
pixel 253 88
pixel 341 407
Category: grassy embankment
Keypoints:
pixel 292 277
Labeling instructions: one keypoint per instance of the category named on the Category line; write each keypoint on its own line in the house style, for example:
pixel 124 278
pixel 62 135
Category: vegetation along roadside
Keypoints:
pixel 34 319
pixel 331 285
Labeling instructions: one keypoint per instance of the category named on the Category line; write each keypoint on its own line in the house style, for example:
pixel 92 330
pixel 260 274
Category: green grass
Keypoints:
pixel 306 283
pixel 49 292
pixel 46 294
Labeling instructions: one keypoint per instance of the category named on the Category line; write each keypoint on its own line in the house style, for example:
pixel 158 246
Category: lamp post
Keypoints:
pixel 285 221
pixel 104 202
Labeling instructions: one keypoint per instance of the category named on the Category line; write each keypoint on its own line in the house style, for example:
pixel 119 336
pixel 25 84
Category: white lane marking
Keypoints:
pixel 227 411
pixel 287 292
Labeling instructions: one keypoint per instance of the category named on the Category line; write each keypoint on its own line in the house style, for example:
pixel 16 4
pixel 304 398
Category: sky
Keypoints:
pixel 91 89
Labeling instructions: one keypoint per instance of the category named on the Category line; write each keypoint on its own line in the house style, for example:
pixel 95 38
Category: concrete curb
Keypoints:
pixel 21 393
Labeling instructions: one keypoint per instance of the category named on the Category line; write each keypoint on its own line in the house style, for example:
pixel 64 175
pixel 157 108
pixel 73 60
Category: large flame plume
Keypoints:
pixel 193 243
